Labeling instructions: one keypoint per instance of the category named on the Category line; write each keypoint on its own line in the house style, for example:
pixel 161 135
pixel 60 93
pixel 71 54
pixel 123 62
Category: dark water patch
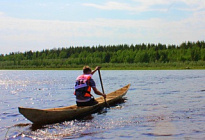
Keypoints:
pixel 151 104
pixel 198 97
pixel 167 93
pixel 161 134
pixel 191 111
pixel 125 137
pixel 175 91
pixel 13 115
pixel 133 89
pixel 146 89
pixel 6 115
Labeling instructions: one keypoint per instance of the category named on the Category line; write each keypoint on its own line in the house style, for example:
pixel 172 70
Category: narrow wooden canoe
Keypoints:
pixel 53 115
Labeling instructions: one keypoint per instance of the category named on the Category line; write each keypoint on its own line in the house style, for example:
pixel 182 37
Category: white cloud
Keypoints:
pixel 193 5
pixel 139 6
pixel 109 6
pixel 147 5
pixel 154 2
pixel 117 6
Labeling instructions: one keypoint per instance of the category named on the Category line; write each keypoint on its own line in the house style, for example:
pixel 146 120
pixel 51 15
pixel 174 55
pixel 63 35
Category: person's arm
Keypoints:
pixel 98 92
pixel 97 68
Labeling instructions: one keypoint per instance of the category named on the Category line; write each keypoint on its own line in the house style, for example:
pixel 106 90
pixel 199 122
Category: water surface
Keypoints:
pixel 162 104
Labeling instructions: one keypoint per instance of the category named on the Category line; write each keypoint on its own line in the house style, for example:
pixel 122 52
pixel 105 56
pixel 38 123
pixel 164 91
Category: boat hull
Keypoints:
pixel 53 115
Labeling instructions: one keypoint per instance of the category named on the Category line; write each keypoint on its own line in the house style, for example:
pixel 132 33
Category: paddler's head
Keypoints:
pixel 87 70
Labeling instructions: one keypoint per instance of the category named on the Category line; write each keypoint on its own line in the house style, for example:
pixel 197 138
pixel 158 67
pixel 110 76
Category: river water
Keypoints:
pixel 161 104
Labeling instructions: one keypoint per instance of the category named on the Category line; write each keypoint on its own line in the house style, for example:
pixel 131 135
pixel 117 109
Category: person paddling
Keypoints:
pixel 83 86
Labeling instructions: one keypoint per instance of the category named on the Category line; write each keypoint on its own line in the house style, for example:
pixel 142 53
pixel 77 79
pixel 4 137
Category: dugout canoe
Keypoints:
pixel 54 115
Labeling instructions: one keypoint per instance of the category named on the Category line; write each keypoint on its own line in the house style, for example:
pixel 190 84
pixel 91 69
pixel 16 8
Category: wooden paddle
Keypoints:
pixel 107 105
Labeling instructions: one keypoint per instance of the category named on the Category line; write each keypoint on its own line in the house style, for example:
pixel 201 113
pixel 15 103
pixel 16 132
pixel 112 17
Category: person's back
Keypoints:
pixel 83 86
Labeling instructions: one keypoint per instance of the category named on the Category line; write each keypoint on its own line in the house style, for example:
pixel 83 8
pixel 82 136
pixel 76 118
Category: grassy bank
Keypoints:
pixel 113 66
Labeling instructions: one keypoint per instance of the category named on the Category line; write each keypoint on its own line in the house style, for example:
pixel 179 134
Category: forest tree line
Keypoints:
pixel 139 53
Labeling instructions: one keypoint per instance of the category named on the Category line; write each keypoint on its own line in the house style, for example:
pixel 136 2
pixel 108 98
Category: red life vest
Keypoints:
pixel 83 84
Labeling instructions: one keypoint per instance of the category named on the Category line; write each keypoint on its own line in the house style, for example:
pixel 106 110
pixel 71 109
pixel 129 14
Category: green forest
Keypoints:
pixel 123 56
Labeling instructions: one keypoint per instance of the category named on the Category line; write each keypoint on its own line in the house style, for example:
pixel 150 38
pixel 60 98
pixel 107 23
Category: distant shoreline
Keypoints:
pixel 119 66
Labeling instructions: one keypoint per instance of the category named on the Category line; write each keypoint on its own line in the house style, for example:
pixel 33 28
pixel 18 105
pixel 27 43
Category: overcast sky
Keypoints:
pixel 46 24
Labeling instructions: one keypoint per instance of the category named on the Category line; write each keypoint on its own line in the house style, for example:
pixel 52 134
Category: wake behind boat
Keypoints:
pixel 54 115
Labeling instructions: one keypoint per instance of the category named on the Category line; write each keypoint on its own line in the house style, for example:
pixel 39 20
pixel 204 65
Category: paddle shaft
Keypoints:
pixel 101 82
pixel 102 87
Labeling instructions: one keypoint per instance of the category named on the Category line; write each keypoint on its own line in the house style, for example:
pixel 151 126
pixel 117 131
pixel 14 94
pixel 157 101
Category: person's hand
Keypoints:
pixel 98 68
pixel 104 95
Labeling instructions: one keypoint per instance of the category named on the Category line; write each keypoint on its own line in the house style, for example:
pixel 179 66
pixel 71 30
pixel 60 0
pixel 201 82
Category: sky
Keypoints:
pixel 46 24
